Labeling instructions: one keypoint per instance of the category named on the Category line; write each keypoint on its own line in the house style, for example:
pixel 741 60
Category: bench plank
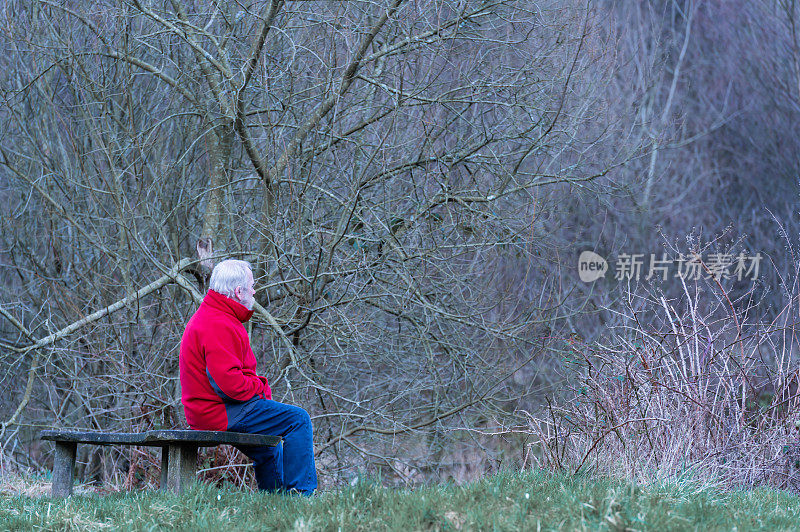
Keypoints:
pixel 159 438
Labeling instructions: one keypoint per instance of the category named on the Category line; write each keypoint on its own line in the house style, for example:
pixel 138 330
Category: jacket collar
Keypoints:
pixel 227 305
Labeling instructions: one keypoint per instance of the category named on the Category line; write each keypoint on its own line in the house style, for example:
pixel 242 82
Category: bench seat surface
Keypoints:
pixel 159 438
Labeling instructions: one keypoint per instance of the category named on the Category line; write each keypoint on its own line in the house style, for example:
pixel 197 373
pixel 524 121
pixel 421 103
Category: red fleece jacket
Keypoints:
pixel 215 344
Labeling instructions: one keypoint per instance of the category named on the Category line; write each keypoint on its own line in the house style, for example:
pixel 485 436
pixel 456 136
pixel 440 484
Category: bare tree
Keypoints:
pixel 386 166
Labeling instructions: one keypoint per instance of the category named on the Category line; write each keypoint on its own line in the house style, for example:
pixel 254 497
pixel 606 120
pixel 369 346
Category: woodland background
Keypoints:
pixel 413 182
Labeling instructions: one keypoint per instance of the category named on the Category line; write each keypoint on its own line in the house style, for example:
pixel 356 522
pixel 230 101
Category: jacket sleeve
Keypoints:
pixel 267 389
pixel 224 368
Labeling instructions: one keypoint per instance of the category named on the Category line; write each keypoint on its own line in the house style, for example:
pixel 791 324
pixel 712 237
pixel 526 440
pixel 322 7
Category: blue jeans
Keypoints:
pixel 289 465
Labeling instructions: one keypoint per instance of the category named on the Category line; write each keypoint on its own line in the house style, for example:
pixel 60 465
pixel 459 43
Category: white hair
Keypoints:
pixel 229 274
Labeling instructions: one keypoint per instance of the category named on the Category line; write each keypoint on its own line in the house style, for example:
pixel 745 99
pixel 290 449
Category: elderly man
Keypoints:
pixel 220 389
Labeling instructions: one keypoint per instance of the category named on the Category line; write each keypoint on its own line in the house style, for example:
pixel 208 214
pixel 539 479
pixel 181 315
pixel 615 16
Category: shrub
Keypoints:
pixel 703 390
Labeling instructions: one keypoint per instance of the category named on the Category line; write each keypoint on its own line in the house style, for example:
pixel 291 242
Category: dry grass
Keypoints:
pixel 705 391
pixel 26 485
pixel 13 484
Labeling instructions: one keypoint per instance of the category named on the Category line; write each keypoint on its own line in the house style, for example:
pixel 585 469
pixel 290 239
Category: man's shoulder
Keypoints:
pixel 209 318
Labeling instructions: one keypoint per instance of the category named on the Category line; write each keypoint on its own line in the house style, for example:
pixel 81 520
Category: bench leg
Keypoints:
pixel 64 469
pixel 164 467
pixel 181 466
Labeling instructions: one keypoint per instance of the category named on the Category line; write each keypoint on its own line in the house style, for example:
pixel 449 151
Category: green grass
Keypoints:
pixel 509 501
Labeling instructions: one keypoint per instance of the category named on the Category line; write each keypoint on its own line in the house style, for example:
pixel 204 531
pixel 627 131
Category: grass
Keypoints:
pixel 509 501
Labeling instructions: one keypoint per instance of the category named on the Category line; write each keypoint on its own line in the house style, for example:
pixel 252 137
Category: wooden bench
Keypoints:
pixel 178 451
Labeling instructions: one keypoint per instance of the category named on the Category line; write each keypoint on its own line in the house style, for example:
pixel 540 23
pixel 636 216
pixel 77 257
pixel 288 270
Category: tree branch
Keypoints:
pixel 122 303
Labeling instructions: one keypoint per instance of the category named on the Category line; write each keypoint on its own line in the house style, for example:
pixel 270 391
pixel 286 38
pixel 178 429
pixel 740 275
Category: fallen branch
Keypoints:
pixel 95 316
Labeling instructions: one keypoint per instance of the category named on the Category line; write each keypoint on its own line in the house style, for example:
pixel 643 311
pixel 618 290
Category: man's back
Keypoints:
pixel 217 366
